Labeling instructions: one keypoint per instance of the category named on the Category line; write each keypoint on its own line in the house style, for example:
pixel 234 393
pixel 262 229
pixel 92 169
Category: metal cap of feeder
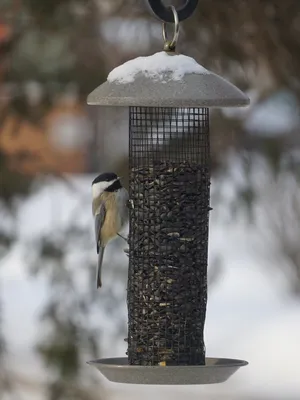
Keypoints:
pixel 166 79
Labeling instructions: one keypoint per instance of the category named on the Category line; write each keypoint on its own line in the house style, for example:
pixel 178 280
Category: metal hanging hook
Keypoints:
pixel 165 14
pixel 170 45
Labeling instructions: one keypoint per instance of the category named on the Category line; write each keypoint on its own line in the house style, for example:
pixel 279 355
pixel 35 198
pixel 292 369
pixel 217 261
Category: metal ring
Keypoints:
pixel 164 13
pixel 173 42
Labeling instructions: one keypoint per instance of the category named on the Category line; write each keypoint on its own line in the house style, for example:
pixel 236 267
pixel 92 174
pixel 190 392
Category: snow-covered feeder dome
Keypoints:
pixel 166 80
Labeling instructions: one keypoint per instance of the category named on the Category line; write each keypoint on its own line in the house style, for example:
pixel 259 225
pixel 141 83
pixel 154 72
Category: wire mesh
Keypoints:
pixel 168 238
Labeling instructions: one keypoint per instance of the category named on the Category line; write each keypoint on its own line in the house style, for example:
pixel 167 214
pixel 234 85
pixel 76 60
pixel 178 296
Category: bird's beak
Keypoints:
pixel 119 177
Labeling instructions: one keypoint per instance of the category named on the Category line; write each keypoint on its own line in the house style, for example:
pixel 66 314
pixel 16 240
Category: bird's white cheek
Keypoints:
pixel 98 189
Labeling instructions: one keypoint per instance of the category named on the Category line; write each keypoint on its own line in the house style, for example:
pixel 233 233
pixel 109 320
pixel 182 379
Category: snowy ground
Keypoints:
pixel 250 315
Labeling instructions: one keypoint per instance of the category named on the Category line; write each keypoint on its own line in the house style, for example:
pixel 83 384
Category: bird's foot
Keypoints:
pixel 126 240
pixel 130 204
pixel 126 251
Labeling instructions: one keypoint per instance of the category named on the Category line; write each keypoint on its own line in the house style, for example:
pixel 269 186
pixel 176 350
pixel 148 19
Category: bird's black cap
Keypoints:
pixel 105 177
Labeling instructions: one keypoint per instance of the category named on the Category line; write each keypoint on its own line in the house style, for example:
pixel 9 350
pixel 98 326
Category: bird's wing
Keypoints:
pixel 99 221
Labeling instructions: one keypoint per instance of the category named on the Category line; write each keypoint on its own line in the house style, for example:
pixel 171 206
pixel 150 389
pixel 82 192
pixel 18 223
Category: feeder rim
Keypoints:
pixel 132 102
pixel 234 362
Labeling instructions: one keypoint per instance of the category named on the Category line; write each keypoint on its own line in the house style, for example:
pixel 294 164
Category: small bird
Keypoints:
pixel 110 200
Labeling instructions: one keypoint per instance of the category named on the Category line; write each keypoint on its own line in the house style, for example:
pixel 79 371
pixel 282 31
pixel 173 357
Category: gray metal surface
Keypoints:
pixel 193 90
pixel 216 370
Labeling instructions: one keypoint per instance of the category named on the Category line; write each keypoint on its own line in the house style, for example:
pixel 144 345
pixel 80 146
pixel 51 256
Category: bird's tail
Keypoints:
pixel 100 259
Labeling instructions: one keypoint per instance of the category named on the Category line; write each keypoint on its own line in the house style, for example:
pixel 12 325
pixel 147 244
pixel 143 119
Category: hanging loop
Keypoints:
pixel 170 45
pixel 165 14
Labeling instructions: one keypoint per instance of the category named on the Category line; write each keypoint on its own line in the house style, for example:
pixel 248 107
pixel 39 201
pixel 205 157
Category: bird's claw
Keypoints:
pixel 130 204
pixel 126 240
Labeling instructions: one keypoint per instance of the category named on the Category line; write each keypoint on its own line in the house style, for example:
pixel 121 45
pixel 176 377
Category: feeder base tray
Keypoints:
pixel 216 370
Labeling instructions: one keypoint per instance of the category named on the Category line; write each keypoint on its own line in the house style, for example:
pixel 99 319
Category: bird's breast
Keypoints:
pixel 111 224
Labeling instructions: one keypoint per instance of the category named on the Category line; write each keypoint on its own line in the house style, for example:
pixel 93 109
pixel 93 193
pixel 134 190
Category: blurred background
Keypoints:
pixel 52 320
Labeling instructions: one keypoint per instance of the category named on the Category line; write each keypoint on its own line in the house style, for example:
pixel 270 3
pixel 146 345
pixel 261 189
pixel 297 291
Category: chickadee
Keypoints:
pixel 110 211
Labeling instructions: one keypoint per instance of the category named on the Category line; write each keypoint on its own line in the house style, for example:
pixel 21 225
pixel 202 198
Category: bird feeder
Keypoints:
pixel 169 96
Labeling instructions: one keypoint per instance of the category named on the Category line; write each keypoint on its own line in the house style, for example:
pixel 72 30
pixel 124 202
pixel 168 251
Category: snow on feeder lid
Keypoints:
pixel 168 95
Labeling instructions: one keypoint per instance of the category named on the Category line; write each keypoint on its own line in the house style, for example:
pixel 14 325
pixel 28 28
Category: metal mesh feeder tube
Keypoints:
pixel 168 96
pixel 169 187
